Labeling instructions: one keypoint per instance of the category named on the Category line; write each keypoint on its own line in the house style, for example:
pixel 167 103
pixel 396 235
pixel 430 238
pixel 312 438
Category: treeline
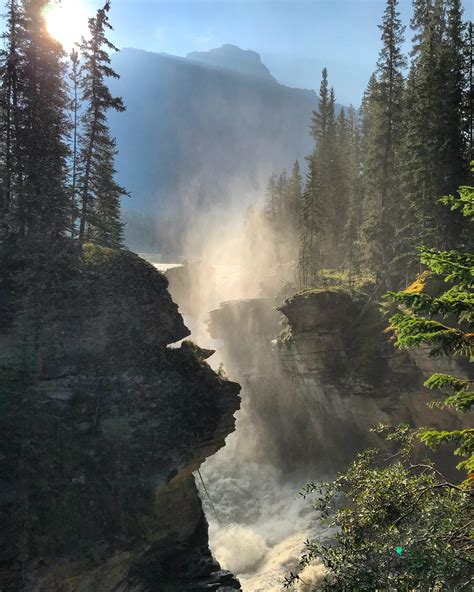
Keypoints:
pixel 57 155
pixel 373 181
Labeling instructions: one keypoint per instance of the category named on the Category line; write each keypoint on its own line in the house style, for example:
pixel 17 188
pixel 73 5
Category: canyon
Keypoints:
pixel 156 474
pixel 318 370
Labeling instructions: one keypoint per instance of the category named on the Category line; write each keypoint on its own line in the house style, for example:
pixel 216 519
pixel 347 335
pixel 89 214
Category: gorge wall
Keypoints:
pixel 317 370
pixel 101 494
pixel 320 371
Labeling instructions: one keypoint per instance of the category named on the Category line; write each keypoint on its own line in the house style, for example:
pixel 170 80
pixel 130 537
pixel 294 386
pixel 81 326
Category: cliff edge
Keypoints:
pixel 102 426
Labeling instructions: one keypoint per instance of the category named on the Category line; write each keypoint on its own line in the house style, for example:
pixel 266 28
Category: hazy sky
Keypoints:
pixel 295 38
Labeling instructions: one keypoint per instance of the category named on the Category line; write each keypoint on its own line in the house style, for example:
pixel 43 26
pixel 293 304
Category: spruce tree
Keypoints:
pixel 10 56
pixel 311 244
pixel 455 66
pixel 43 208
pixel 312 228
pixel 444 322
pixel 383 196
pixel 99 193
pixel 74 108
pixel 320 120
pixel 434 138
pixel 352 237
pixel 294 193
pixel 271 201
pixel 321 194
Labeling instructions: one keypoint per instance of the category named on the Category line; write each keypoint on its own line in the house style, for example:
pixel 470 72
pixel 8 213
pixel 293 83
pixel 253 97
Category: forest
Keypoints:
pixel 107 415
pixel 370 194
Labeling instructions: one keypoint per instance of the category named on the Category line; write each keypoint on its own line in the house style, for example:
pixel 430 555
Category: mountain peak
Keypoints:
pixel 231 57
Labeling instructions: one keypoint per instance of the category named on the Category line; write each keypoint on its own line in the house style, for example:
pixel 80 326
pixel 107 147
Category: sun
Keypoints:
pixel 66 21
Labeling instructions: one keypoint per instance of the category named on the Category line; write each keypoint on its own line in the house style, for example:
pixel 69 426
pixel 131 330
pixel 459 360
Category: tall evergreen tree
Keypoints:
pixel 352 238
pixel 10 58
pixel 271 200
pixel 320 120
pixel 314 220
pixel 74 108
pixel 311 245
pixel 454 64
pixel 294 193
pixel 43 209
pixel 383 148
pixel 434 138
pixel 99 193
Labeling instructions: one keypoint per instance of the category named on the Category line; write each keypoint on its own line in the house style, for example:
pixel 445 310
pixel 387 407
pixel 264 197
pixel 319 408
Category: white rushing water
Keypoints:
pixel 262 522
pixel 258 522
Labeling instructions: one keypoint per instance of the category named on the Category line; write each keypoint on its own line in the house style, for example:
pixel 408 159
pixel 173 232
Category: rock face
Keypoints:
pixel 331 375
pixel 103 497
pixel 231 57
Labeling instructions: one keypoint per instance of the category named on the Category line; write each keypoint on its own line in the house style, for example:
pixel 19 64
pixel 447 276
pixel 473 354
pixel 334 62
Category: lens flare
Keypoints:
pixel 66 21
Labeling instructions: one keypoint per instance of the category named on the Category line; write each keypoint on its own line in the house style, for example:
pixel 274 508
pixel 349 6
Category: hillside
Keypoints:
pixel 198 131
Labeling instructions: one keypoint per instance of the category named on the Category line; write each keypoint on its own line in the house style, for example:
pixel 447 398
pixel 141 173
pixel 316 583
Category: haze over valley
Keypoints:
pixel 236 316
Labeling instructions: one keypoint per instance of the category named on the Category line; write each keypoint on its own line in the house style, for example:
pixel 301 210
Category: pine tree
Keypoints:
pixel 320 119
pixel 383 148
pixel 10 58
pixel 445 323
pixel 434 138
pixel 312 229
pixel 367 115
pixel 43 208
pixel 352 238
pixel 325 198
pixel 74 108
pixel 454 65
pixel 421 15
pixel 282 200
pixel 322 194
pixel 342 173
pixel 99 194
pixel 271 201
pixel 294 193
pixel 333 184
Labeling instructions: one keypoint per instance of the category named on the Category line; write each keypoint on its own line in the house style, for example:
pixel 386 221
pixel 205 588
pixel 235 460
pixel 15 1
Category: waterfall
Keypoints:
pixel 258 521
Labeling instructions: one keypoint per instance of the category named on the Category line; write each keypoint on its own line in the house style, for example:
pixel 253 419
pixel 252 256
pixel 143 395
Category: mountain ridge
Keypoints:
pixel 231 57
pixel 196 136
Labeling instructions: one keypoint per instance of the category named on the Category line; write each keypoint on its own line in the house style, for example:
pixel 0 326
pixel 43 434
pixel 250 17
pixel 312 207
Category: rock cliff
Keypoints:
pixel 101 438
pixel 330 375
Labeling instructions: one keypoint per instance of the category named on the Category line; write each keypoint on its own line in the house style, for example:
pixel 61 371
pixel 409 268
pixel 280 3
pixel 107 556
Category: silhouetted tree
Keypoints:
pixel 99 193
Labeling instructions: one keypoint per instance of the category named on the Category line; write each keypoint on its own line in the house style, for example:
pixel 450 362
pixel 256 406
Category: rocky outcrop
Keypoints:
pixel 331 374
pixel 100 495
pixel 231 57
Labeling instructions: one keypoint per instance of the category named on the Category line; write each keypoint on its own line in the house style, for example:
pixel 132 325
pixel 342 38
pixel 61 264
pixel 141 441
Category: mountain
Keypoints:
pixel 231 57
pixel 199 131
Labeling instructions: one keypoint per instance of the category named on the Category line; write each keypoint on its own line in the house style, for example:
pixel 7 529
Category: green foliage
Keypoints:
pixel 374 177
pixel 435 138
pixel 464 201
pixel 99 193
pixel 445 323
pixel 381 159
pixel 462 399
pixel 398 526
pixel 401 525
pixel 46 163
pixel 34 204
pixel 456 266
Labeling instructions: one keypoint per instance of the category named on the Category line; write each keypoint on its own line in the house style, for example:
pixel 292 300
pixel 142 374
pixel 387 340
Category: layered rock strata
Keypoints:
pixel 100 494
pixel 329 376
